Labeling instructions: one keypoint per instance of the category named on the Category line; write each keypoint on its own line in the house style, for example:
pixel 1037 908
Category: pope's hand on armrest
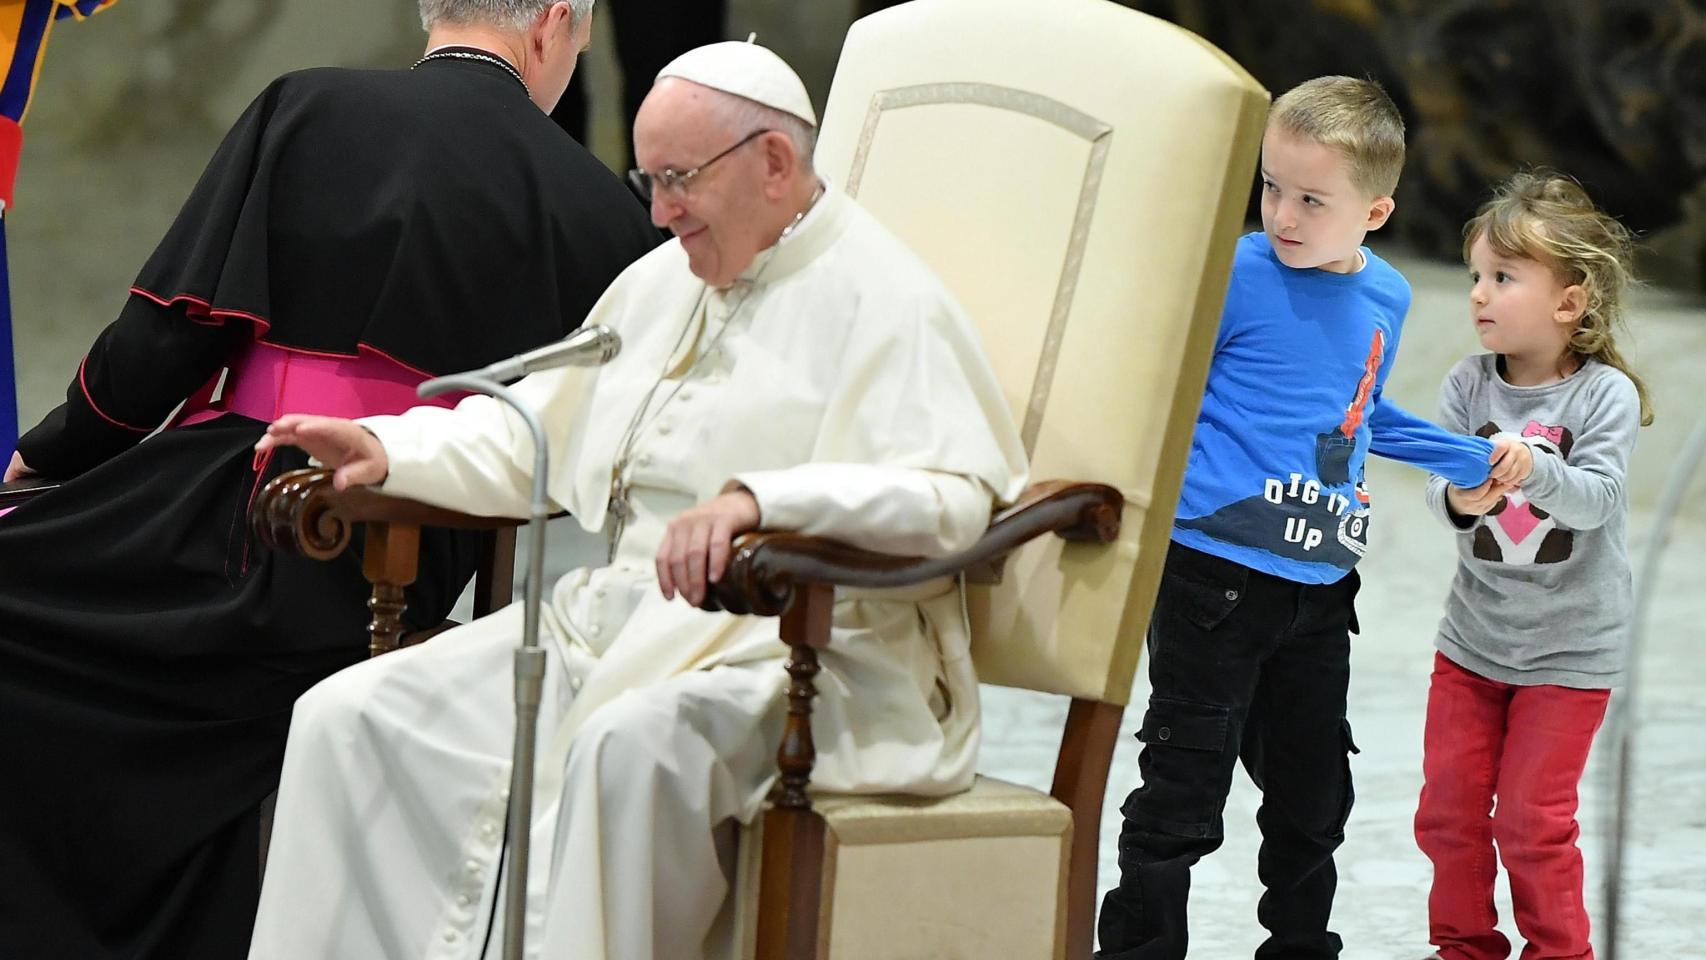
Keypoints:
pixel 899 511
pixel 904 511
pixel 355 456
pixel 696 544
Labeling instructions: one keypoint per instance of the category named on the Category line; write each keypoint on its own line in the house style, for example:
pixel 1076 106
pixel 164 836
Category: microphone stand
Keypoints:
pixel 529 657
pixel 1623 719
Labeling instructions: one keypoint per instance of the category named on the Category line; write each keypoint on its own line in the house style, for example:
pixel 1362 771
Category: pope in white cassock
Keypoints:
pixel 786 364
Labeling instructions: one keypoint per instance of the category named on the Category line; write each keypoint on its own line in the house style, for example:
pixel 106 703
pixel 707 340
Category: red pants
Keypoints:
pixel 1527 747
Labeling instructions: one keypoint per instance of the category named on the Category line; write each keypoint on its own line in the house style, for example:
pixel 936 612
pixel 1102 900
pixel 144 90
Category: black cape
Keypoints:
pixel 149 651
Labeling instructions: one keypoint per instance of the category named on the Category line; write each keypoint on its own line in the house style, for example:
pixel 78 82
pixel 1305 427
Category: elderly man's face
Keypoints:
pixel 719 213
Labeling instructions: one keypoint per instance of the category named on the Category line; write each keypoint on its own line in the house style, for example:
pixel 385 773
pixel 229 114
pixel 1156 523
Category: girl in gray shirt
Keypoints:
pixel 1533 633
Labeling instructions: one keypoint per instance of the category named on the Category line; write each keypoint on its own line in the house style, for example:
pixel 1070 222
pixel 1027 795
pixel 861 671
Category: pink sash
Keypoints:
pixel 266 382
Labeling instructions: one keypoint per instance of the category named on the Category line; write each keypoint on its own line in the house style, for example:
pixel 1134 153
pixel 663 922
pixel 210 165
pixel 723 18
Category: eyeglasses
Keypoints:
pixel 676 181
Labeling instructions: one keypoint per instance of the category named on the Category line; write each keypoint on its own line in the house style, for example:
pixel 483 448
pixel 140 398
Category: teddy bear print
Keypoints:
pixel 1515 530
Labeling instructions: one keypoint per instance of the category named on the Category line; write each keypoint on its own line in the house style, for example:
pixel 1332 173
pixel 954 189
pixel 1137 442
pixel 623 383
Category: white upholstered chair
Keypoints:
pixel 1077 173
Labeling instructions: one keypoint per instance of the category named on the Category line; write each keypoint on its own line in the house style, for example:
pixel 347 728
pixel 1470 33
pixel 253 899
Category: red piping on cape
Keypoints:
pixel 84 386
pixel 208 308
pixel 265 325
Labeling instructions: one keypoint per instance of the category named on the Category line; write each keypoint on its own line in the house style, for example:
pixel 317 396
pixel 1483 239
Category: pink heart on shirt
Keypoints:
pixel 1518 519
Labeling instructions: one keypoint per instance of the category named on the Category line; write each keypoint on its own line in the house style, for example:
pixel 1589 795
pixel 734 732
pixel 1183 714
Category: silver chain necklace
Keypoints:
pixel 481 56
pixel 620 508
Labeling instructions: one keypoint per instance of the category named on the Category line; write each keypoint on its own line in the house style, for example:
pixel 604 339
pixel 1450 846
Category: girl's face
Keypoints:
pixel 1521 308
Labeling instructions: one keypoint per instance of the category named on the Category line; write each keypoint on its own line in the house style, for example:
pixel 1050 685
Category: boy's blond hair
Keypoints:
pixel 1354 117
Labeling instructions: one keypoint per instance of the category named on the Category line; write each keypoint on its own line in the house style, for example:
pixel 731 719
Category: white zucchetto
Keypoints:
pixel 747 70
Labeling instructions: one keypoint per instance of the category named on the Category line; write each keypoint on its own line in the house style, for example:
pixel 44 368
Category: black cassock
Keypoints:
pixel 149 651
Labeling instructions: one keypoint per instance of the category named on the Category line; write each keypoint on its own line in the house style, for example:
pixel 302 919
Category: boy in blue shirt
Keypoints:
pixel 1249 644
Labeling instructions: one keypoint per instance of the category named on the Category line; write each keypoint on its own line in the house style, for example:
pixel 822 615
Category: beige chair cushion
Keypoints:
pixel 979 874
pixel 1076 172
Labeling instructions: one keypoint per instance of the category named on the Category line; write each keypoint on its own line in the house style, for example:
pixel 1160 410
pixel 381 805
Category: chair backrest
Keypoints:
pixel 1077 173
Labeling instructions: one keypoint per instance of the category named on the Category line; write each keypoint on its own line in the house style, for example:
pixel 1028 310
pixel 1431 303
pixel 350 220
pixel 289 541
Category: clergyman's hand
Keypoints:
pixel 696 545
pixel 355 456
pixel 17 469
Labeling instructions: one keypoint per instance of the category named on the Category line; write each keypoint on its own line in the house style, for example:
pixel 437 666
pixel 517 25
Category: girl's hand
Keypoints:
pixel 1476 501
pixel 1512 461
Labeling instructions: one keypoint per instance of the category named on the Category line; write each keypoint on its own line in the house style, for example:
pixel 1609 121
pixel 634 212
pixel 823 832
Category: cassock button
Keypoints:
pixel 595 629
pixel 643 460
pixel 463 900
pixel 663 428
pixel 450 936
pixel 575 684
pixel 473 868
pixel 488 830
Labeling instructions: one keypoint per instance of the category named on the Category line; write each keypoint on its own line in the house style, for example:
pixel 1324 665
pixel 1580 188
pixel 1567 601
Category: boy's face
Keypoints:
pixel 1314 216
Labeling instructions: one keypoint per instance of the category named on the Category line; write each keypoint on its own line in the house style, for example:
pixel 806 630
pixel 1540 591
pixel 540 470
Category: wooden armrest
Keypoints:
pixel 299 512
pixel 19 492
pixel 766 568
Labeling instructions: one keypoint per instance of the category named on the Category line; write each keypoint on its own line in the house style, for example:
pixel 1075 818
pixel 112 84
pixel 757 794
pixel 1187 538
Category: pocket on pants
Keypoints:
pixel 1350 794
pixel 1353 583
pixel 1184 770
pixel 1186 725
pixel 1202 588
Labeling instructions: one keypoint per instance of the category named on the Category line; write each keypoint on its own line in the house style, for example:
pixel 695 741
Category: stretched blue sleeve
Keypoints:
pixel 1397 434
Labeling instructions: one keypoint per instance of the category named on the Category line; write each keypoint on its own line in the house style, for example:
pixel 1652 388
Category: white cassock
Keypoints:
pixel 842 385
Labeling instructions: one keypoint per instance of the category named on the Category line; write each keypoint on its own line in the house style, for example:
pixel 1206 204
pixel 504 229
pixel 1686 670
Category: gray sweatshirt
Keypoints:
pixel 1543 590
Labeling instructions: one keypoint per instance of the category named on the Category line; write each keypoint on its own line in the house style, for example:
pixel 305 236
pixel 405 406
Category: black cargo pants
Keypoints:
pixel 1242 665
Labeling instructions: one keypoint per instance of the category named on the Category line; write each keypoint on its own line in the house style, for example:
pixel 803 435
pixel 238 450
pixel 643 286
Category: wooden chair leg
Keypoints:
pixel 790 885
pixel 390 563
pixel 1080 782
pixel 790 892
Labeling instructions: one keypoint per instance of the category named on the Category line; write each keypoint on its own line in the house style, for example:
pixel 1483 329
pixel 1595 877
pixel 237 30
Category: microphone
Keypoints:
pixel 586 347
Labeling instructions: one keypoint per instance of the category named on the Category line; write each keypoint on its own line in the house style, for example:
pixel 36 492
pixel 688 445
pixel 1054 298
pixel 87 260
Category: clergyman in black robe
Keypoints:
pixel 386 225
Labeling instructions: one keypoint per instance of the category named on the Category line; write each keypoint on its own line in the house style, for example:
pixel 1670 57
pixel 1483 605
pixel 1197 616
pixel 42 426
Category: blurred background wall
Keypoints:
pixel 1611 91
pixel 131 103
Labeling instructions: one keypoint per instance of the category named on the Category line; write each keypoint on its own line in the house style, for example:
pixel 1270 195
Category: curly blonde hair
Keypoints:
pixel 1547 217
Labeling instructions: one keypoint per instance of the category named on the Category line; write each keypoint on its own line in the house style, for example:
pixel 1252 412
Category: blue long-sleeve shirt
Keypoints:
pixel 1291 410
